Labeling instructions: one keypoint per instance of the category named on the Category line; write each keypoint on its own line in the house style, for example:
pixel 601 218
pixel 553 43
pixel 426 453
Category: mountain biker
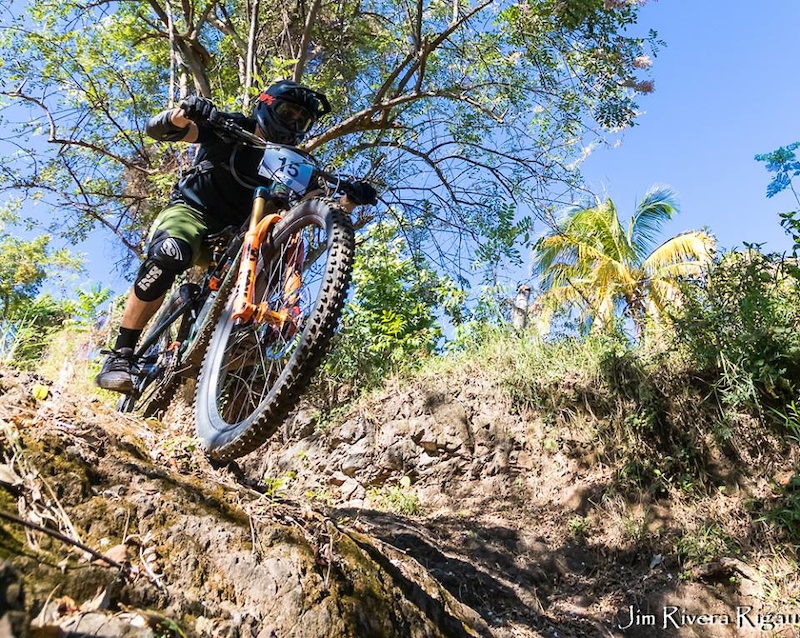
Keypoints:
pixel 215 193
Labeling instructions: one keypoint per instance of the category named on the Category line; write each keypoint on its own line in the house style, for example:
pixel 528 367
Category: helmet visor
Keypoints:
pixel 294 116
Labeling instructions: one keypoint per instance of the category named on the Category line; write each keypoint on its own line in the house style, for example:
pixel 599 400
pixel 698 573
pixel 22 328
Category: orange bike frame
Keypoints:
pixel 244 306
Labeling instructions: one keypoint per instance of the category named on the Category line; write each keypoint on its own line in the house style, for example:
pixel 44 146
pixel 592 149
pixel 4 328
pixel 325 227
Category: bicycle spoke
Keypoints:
pixel 256 355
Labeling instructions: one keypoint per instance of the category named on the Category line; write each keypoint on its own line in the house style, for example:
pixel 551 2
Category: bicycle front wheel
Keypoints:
pixel 254 372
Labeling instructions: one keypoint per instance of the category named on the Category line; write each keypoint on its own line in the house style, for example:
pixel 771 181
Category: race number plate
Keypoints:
pixel 286 166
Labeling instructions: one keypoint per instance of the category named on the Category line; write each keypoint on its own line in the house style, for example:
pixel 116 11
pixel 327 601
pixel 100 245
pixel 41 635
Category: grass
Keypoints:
pixel 273 487
pixel 73 357
pixel 529 367
pixel 705 544
pixel 580 527
pixel 398 499
pixel 783 510
pixel 668 436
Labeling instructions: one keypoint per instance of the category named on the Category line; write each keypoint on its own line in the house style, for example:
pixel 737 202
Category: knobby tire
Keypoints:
pixel 150 390
pixel 252 375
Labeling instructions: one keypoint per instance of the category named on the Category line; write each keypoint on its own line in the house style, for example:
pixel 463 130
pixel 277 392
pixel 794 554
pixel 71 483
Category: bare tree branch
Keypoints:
pixel 90 210
pixel 251 50
pixel 193 54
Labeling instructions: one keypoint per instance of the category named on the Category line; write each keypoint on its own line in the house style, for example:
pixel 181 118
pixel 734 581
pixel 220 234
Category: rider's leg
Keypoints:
pixel 174 240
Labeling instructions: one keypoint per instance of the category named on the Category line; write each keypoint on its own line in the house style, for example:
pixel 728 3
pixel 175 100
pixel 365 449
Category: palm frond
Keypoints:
pixel 604 312
pixel 559 298
pixel 662 293
pixel 564 249
pixel 586 235
pixel 691 246
pixel 681 270
pixel 599 226
pixel 619 246
pixel 592 263
pixel 562 274
pixel 657 207
pixel 613 272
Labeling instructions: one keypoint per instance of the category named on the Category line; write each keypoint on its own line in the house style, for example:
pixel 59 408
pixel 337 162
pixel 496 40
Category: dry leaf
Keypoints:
pixel 66 606
pixel 48 612
pixel 118 553
pixel 98 603
pixel 9 476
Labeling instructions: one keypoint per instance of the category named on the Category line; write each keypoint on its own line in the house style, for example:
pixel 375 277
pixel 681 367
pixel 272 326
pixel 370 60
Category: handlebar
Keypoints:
pixel 230 127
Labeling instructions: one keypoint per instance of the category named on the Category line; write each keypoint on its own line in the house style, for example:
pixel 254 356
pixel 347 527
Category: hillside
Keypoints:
pixel 451 504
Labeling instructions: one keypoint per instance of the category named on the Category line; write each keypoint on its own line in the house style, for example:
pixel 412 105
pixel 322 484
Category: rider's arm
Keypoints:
pixel 172 126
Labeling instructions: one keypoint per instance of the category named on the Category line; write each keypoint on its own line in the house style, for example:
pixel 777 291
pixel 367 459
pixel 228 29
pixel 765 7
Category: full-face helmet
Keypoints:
pixel 287 110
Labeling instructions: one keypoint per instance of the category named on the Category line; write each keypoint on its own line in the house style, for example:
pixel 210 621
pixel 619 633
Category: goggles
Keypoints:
pixel 293 115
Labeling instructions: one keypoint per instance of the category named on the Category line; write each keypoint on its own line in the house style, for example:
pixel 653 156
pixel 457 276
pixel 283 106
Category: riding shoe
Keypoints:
pixel 115 375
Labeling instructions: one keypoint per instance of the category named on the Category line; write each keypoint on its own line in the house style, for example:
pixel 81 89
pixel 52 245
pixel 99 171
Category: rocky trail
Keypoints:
pixel 435 509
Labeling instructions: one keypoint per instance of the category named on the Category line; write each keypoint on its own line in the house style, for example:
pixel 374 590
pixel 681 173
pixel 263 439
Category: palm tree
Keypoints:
pixel 591 262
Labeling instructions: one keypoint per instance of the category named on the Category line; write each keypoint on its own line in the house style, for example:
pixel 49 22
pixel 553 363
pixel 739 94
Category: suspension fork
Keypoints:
pixel 261 223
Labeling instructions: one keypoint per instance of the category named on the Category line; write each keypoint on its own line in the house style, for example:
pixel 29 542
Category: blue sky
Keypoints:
pixel 725 89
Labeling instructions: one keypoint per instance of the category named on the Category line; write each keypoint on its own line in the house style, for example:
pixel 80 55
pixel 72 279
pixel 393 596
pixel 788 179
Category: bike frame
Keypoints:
pixel 244 307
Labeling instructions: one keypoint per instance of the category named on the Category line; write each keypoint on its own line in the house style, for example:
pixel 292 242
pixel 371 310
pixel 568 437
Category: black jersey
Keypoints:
pixel 220 183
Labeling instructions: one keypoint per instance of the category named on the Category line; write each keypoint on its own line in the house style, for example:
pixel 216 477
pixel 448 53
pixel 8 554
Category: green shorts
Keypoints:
pixel 189 224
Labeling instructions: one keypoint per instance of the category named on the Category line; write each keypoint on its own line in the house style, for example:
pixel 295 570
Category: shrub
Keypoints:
pixel 46 333
pixel 392 321
pixel 25 336
pixel 741 326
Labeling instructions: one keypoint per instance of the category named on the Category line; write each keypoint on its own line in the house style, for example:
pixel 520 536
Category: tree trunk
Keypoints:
pixel 519 311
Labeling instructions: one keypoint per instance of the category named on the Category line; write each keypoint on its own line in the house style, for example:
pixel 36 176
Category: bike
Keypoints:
pixel 260 320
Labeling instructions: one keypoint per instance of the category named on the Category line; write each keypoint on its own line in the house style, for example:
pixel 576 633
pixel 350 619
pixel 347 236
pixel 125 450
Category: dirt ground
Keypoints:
pixel 429 510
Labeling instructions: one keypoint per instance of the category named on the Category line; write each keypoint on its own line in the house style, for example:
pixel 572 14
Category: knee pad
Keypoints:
pixel 166 258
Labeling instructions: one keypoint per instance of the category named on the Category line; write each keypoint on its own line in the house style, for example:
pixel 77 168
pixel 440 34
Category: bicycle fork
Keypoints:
pixel 245 308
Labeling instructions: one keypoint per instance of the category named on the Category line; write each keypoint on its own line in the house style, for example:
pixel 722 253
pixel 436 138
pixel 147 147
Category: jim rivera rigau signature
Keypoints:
pixel 675 617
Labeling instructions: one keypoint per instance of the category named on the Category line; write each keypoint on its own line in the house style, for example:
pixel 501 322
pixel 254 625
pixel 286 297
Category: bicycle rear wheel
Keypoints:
pixel 153 386
pixel 177 351
pixel 253 373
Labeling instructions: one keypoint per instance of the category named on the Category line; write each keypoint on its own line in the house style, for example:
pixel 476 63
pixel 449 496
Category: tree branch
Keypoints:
pixel 54 139
pixel 423 52
pixel 189 48
pixel 66 539
pixel 302 52
pixel 251 50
